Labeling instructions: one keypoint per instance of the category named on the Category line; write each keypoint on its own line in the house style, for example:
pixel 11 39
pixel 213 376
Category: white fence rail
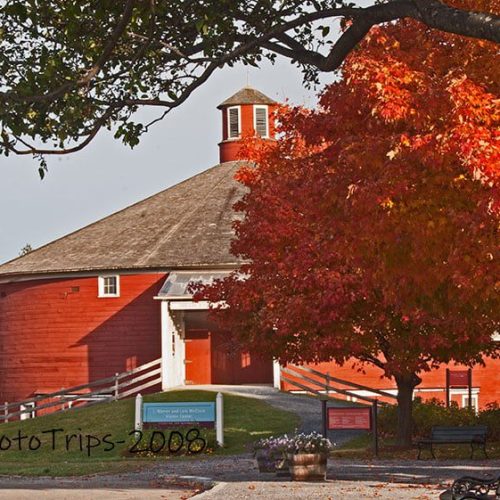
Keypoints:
pixel 81 396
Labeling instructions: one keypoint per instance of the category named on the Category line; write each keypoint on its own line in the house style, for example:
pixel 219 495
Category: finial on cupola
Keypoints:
pixel 248 112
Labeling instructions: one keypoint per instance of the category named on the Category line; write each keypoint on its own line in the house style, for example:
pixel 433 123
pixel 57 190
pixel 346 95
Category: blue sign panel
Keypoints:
pixel 178 413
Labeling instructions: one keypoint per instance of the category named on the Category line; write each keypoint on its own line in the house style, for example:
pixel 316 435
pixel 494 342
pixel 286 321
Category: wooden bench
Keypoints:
pixel 473 435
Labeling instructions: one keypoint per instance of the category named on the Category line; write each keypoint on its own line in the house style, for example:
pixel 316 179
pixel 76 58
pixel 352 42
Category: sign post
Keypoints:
pixel 138 413
pixel 219 419
pixel 375 426
pixel 324 417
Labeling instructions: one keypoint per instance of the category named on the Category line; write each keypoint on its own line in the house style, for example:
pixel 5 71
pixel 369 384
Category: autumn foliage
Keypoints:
pixel 371 226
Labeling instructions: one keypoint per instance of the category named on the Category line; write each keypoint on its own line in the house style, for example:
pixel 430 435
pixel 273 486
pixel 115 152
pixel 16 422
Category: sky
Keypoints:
pixel 108 176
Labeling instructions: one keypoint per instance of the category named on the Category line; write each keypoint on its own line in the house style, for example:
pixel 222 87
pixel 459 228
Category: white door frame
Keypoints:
pixel 173 346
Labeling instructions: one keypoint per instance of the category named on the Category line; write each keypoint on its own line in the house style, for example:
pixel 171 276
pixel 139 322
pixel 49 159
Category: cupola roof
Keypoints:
pixel 247 95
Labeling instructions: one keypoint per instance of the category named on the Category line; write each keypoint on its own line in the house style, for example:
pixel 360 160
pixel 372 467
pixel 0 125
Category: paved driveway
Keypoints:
pixel 306 407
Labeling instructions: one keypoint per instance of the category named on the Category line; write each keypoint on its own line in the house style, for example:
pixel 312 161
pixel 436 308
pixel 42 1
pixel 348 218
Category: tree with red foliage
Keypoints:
pixel 370 228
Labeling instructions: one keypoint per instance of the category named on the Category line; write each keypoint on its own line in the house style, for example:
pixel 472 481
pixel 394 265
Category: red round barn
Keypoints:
pixel 114 295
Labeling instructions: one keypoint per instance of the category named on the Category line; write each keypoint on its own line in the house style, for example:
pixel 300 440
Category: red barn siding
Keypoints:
pixel 57 333
pixel 487 379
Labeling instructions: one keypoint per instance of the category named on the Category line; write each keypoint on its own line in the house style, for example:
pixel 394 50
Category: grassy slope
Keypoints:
pixel 246 419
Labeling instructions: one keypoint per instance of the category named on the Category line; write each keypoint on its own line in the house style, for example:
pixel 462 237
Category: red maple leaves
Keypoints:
pixel 371 226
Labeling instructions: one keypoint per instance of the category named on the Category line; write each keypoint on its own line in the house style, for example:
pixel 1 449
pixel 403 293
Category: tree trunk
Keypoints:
pixel 406 384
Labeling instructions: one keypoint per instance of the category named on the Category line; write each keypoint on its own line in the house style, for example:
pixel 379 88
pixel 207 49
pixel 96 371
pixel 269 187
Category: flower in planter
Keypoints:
pixel 308 443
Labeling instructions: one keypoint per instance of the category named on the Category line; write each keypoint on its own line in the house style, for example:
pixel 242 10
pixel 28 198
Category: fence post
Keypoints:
pixel 6 411
pixel 219 419
pixel 375 426
pixel 138 412
pixel 116 386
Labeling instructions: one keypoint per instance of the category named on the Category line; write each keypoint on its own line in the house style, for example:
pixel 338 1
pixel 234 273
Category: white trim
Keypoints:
pixel 276 374
pixel 17 278
pixel 188 305
pixel 25 406
pixel 475 401
pixel 173 352
pixel 266 108
pixel 100 286
pixel 229 123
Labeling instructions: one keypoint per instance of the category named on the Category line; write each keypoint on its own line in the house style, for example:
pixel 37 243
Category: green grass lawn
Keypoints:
pixel 245 419
pixel 362 447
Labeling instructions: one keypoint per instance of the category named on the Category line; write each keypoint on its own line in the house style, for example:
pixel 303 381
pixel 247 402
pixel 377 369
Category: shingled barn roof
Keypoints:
pixel 187 225
pixel 247 95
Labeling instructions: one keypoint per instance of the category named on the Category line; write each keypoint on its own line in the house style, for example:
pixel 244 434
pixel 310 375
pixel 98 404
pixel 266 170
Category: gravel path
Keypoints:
pixel 306 407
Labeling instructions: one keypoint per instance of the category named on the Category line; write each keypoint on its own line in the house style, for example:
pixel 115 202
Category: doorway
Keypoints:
pixel 213 358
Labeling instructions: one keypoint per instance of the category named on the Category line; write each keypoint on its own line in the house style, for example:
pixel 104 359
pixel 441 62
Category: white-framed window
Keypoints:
pixel 475 402
pixel 109 285
pixel 261 120
pixel 233 122
pixel 31 414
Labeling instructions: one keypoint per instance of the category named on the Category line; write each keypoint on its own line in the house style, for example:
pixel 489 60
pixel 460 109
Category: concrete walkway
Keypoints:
pixel 307 408
pixel 237 477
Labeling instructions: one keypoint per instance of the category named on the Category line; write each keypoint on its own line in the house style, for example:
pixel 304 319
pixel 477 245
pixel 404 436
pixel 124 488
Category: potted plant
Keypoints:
pixel 308 456
pixel 271 454
pixel 264 454
pixel 279 447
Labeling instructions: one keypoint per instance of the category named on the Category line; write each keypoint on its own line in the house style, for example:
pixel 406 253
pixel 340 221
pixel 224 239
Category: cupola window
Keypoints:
pixel 234 122
pixel 261 121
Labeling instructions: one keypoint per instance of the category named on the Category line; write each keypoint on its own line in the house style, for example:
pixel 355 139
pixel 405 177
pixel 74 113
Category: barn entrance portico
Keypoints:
pixel 194 349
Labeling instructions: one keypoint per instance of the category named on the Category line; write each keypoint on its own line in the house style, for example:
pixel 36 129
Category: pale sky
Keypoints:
pixel 108 176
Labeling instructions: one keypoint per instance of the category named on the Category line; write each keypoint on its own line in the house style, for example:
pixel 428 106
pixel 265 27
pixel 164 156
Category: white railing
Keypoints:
pixel 119 386
pixel 317 383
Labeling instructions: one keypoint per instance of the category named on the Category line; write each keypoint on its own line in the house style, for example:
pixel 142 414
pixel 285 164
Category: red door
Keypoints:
pixel 198 355
pixel 233 365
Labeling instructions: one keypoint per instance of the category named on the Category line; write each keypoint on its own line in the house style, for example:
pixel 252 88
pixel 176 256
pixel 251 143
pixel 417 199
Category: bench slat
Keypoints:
pixel 459 434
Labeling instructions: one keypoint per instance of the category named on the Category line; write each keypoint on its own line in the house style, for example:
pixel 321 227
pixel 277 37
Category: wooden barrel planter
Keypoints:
pixel 308 466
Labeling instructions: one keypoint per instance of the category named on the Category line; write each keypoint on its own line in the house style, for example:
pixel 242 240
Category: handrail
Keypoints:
pixel 106 393
pixel 293 370
pixel 76 388
pixel 326 386
pixel 345 382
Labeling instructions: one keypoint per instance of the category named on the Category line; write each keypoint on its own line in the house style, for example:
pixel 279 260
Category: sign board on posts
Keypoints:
pixel 350 418
pixel 173 414
pixel 459 378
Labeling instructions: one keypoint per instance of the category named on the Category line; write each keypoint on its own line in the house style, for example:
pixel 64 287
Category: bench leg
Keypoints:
pixel 432 452
pixel 484 450
pixel 472 451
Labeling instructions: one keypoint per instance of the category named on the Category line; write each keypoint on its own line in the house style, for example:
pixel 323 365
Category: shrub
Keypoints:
pixel 427 414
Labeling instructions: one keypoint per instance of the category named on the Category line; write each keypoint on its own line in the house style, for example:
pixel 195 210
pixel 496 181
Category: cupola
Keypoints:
pixel 248 112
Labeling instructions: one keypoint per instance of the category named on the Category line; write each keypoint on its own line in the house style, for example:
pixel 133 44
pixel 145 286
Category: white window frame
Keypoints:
pixel 234 138
pixel 26 406
pixel 266 108
pixel 475 401
pixel 101 292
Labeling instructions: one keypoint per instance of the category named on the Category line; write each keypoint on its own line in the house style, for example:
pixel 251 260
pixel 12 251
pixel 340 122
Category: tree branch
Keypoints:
pixel 91 72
